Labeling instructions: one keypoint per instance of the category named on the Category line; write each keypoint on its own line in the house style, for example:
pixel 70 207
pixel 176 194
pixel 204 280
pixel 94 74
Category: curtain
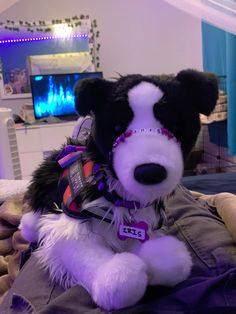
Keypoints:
pixel 219 47
pixel 219 56
pixel 231 90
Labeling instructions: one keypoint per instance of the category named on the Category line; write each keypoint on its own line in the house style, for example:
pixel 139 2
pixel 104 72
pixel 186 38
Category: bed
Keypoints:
pixel 212 183
pixel 219 190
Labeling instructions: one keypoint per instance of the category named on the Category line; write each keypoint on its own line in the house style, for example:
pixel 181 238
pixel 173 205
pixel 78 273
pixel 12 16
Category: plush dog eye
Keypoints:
pixel 161 105
pixel 163 101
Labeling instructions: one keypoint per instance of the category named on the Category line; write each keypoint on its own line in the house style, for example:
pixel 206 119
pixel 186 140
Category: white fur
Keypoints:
pixel 124 273
pixel 163 269
pixel 142 98
pixel 29 226
pixel 143 148
pixel 115 272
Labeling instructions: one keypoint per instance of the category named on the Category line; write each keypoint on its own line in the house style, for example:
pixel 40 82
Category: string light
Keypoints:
pixel 41 38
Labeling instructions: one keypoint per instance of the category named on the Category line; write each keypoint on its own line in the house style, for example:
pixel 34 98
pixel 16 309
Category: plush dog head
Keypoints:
pixel 145 126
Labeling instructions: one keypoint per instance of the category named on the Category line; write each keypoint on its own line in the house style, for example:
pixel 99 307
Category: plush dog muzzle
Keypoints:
pixel 148 161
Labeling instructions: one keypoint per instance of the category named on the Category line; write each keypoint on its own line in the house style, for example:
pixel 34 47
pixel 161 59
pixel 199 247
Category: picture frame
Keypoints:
pixel 7 92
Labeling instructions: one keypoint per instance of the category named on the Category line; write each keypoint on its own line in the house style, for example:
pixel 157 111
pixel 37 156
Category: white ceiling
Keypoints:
pixel 5 4
pixel 220 13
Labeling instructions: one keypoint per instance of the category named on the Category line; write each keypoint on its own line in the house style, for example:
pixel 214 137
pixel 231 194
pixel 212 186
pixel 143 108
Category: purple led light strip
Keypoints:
pixel 39 38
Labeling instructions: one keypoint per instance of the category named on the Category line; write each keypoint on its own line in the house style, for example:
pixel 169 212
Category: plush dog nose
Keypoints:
pixel 150 173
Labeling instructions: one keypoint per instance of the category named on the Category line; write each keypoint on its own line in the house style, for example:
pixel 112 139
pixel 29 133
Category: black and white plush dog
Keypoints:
pixel 97 209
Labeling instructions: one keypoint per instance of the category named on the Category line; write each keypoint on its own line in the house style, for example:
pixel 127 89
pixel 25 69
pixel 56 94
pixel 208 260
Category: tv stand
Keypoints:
pixel 37 141
pixel 51 120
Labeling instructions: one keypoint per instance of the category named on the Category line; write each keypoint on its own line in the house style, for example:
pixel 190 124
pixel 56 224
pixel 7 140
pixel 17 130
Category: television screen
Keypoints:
pixel 53 94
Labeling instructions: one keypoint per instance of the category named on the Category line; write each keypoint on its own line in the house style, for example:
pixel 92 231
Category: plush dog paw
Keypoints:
pixel 121 282
pixel 167 259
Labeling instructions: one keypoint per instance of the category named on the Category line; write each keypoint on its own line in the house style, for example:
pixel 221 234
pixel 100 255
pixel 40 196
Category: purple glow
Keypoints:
pixel 40 38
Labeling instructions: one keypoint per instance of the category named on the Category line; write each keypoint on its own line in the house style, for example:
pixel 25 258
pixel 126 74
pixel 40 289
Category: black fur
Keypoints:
pixel 42 191
pixel 185 96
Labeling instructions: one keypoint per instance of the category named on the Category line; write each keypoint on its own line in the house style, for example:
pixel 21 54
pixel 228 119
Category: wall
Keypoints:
pixel 145 36
pixel 5 4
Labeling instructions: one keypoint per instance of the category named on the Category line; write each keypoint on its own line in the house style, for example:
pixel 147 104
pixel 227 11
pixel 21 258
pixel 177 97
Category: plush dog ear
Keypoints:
pixel 202 88
pixel 91 94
